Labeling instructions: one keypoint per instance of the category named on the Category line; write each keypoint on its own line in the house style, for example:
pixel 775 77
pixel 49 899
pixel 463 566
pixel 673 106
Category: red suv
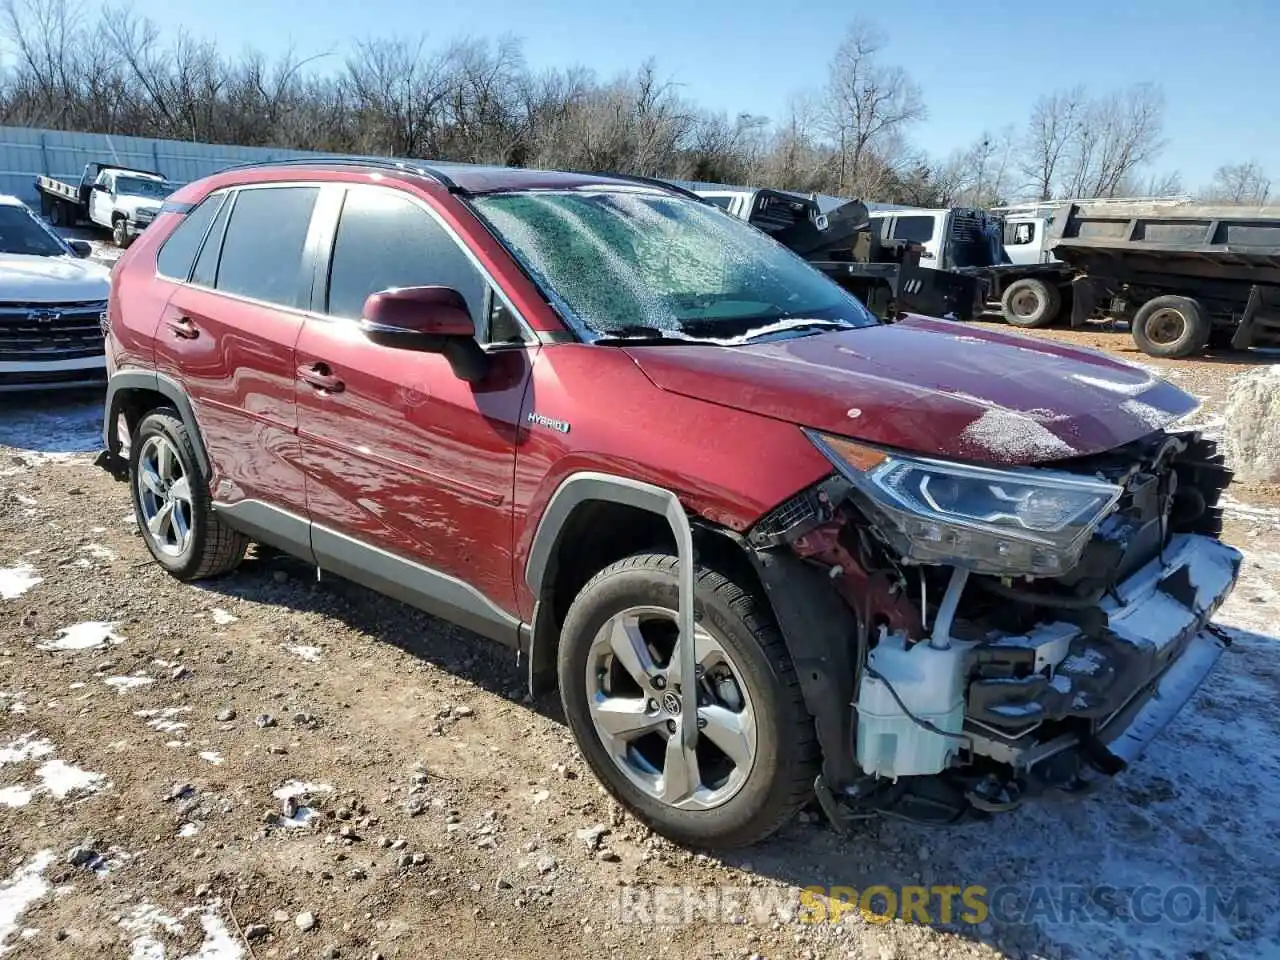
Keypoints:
pixel 766 546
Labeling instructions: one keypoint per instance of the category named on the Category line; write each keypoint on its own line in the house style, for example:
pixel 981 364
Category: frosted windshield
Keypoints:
pixel 629 261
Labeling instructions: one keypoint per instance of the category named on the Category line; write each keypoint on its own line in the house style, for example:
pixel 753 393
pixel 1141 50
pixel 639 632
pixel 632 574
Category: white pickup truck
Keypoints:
pixel 120 199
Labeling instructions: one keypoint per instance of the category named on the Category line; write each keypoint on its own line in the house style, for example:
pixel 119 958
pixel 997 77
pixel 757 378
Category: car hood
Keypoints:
pixel 29 279
pixel 132 205
pixel 931 387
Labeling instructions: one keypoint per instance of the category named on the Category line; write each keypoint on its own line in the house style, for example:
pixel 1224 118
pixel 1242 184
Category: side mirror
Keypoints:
pixel 98 186
pixel 81 248
pixel 428 319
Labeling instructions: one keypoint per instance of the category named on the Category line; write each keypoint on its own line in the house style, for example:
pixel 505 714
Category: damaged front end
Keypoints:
pixel 999 631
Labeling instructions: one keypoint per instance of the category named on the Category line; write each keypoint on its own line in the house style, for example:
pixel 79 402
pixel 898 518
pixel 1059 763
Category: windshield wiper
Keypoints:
pixel 639 335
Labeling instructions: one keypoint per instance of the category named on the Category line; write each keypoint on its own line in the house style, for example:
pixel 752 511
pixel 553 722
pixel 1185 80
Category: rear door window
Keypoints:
pixel 262 249
pixel 386 240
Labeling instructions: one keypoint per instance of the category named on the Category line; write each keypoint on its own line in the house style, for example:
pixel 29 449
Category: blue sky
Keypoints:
pixel 981 63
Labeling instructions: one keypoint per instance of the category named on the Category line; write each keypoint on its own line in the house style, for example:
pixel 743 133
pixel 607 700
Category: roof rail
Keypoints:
pixel 656 182
pixel 386 163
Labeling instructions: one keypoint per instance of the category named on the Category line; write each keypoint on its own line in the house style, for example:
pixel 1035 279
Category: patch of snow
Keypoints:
pixel 26 747
pixel 125 684
pixel 147 920
pixel 1015 436
pixel 25 500
pixel 294 789
pixel 188 830
pixel 212 756
pixel 23 887
pixel 15 581
pixel 223 617
pixel 162 720
pixel 298 788
pixel 62 779
pixel 89 635
pixel 99 552
pixel 14 797
pixel 1061 682
pixel 309 654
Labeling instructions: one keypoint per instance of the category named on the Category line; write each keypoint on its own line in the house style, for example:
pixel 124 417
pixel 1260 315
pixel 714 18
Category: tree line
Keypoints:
pixel 478 100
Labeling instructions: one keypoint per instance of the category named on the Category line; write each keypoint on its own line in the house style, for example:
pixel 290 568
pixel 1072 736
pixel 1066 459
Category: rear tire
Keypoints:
pixel 1031 303
pixel 1171 327
pixel 172 503
pixel 58 214
pixel 745 661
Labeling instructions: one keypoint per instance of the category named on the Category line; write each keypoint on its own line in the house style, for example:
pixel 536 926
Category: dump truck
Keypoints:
pixel 1184 277
pixel 885 274
pixel 123 200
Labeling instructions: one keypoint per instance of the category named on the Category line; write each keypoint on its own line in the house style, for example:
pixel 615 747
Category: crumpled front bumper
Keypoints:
pixel 1120 685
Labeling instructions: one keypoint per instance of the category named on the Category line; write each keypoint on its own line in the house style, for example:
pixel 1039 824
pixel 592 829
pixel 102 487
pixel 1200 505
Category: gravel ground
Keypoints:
pixel 267 766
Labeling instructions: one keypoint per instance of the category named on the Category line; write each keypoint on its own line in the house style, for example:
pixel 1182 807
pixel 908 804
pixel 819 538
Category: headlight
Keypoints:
pixel 1014 521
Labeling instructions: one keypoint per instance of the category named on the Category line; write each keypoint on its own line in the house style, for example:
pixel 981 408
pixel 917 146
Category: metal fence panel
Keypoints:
pixel 26 152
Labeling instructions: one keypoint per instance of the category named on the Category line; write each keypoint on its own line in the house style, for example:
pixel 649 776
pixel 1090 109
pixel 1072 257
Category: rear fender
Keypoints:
pixel 124 388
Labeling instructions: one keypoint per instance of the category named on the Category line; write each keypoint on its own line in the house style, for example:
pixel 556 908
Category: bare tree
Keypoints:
pixel 867 102
pixel 1119 134
pixel 1243 183
pixel 1168 184
pixel 1054 126
pixel 478 100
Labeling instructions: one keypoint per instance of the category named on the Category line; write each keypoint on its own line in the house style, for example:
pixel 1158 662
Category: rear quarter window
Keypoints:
pixel 179 250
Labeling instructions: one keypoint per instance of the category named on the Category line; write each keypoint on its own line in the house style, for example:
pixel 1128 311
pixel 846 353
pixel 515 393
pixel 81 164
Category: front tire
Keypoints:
pixel 120 233
pixel 755 756
pixel 172 503
pixel 1031 303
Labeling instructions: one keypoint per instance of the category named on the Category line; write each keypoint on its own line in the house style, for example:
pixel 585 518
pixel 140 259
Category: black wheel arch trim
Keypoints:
pixel 574 490
pixel 819 629
pixel 152 381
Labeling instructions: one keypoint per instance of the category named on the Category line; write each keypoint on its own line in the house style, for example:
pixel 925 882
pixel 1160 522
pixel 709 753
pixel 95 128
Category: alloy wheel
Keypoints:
pixel 164 496
pixel 635 696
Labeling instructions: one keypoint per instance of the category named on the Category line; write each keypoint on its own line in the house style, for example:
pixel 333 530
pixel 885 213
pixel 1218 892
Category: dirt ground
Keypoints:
pixel 267 766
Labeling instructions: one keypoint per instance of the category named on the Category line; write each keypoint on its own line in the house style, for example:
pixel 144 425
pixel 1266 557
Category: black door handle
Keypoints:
pixel 320 376
pixel 183 328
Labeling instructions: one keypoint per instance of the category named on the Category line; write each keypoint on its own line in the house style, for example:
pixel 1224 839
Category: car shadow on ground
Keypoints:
pixel 270 576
